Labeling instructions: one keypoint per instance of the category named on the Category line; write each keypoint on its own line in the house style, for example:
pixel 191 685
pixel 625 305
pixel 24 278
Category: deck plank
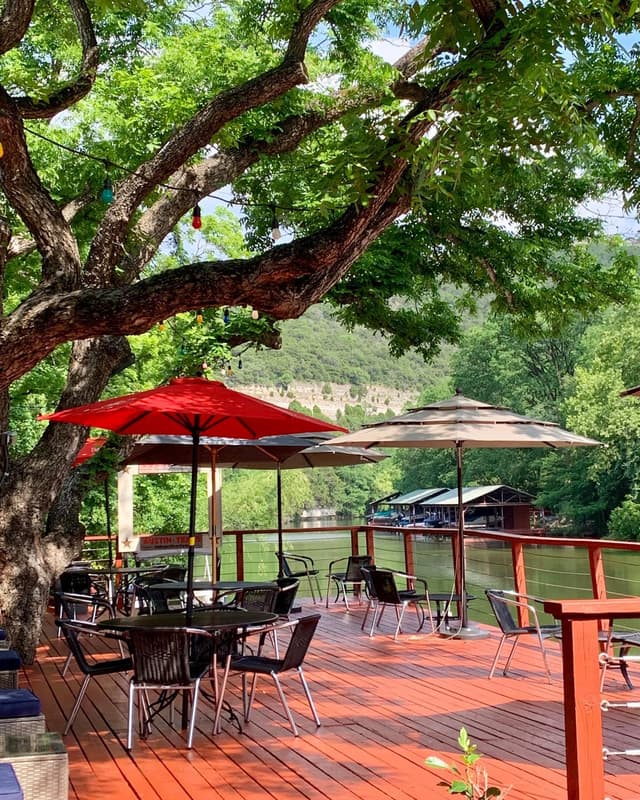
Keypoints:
pixel 385 707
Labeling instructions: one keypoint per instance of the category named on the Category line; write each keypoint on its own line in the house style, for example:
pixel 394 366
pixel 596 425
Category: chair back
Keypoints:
pixel 367 577
pixel 164 656
pixel 285 569
pixel 353 572
pixel 174 573
pixel 259 598
pixel 385 587
pixel 75 581
pixel 300 641
pixel 287 591
pixel 502 610
pixel 162 601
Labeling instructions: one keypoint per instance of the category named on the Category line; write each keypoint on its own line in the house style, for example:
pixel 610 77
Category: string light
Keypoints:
pixel 229 371
pixel 106 195
pixel 199 317
pixel 255 314
pixel 226 316
pixel 161 326
pixel 239 363
pixel 275 226
pixel 196 218
pixel 1 150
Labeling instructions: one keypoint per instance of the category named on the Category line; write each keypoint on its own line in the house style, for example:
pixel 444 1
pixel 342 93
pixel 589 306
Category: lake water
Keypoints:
pixel 552 572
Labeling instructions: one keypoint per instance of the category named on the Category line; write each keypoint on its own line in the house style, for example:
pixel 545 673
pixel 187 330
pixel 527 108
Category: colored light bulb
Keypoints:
pixel 196 218
pixel 106 195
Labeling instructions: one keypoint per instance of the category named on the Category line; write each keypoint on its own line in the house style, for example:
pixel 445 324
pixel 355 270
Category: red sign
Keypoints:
pixel 168 541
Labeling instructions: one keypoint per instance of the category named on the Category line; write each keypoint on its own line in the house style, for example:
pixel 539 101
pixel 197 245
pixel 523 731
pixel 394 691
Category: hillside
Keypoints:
pixel 322 364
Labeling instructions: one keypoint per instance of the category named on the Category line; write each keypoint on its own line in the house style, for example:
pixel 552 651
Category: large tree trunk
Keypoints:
pixel 39 528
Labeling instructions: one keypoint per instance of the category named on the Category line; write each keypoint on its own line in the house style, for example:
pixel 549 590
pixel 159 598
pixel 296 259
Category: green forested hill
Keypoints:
pixel 317 349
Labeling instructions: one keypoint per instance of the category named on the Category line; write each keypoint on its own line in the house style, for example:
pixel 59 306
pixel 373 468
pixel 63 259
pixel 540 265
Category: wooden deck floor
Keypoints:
pixel 384 706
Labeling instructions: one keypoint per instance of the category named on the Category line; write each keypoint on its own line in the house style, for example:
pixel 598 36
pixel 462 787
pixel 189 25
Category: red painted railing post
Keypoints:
pixel 408 552
pixel 519 578
pixel 581 678
pixel 371 550
pixel 354 541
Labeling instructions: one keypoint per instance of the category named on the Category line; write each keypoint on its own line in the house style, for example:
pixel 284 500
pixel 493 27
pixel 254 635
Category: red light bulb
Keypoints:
pixel 196 219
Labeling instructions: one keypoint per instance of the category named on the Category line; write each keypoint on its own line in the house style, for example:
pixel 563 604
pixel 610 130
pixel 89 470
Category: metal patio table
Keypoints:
pixel 213 620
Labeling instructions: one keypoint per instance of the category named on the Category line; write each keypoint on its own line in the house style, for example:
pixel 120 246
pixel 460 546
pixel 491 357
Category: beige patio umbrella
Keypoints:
pixel 461 422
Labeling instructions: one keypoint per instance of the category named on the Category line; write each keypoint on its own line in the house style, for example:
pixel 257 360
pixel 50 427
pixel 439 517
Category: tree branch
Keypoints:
pixel 70 94
pixel 27 195
pixel 228 105
pixel 14 22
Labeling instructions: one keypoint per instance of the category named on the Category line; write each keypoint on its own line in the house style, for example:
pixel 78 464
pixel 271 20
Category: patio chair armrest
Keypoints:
pixel 258 630
pixel 306 560
pixel 335 561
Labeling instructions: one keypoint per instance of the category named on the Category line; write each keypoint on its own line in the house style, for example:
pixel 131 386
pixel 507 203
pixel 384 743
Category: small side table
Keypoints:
pixel 40 762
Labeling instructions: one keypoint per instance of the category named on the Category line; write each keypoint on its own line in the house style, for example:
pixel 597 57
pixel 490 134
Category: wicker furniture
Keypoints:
pixel 10 663
pixel 20 713
pixel 41 764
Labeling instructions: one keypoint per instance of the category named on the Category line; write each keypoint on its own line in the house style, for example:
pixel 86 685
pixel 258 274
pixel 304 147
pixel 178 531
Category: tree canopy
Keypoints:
pixel 462 165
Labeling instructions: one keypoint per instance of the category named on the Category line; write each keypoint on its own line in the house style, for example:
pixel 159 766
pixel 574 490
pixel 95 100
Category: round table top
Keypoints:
pixel 214 586
pixel 124 570
pixel 209 620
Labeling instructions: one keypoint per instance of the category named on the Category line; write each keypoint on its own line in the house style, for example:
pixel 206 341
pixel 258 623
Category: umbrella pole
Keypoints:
pixel 279 500
pixel 465 631
pixel 192 516
pixel 108 513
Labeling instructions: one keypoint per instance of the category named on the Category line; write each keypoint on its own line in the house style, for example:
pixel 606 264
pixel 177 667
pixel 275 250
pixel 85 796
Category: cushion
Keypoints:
pixel 18 703
pixel 3 634
pixel 9 786
pixel 9 660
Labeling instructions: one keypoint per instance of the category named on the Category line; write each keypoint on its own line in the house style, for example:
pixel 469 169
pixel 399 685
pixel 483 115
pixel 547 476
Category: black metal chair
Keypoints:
pixel 351 577
pixel 73 631
pixel 163 601
pixel 297 566
pixel 504 605
pixel 372 598
pixel 387 593
pixel 255 665
pixel 82 607
pixel 170 661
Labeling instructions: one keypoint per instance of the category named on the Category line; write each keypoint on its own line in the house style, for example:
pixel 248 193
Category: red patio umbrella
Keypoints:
pixel 197 407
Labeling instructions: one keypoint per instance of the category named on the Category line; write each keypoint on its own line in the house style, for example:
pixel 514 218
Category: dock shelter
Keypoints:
pixel 500 507
pixel 407 507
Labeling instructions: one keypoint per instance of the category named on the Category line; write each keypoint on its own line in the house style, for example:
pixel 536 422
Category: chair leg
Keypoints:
pixel 66 663
pixel 399 615
pixel 285 705
pixel 76 705
pixel 252 694
pixel 220 690
pixel 544 657
pixel 130 717
pixel 366 614
pixel 194 708
pixel 317 580
pixel 516 642
pixel 307 691
pixel 497 656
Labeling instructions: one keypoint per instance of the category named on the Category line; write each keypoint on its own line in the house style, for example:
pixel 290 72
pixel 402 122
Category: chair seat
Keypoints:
pixel 261 664
pixel 9 660
pixel 112 665
pixel 18 703
pixel 9 787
